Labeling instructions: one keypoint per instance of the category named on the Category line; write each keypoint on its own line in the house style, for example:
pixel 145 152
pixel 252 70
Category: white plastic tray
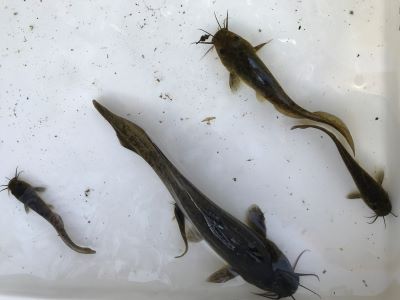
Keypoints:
pixel 136 58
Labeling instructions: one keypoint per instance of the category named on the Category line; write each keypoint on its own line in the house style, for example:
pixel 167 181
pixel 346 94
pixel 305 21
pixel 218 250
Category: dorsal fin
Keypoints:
pixel 256 220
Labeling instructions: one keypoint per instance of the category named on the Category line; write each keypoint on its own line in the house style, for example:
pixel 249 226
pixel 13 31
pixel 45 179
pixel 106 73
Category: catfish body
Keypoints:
pixel 241 60
pixel 246 250
pixel 369 189
pixel 28 195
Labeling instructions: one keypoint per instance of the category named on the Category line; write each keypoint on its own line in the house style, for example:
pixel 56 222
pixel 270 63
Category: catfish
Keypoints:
pixel 241 60
pixel 29 196
pixel 246 249
pixel 369 189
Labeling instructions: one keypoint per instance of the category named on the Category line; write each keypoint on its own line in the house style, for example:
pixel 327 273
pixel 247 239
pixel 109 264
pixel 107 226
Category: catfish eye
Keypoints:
pixel 222 51
pixel 236 38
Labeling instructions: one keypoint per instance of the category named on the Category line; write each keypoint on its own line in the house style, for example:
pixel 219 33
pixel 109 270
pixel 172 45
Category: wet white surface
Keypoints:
pixel 136 58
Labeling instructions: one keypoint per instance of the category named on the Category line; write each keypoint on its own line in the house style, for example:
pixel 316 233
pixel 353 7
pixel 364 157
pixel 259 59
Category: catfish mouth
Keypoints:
pixel 287 283
pixel 381 214
pixel 11 182
pixel 382 210
pixel 215 37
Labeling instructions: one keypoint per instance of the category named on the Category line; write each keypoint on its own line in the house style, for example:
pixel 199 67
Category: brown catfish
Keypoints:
pixel 369 189
pixel 246 249
pixel 28 195
pixel 242 62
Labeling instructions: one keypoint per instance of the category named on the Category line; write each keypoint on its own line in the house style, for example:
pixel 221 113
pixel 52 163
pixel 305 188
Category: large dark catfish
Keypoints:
pixel 245 248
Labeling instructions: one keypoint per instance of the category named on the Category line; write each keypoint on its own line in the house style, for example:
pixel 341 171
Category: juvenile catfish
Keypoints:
pixel 28 195
pixel 242 62
pixel 369 189
pixel 245 248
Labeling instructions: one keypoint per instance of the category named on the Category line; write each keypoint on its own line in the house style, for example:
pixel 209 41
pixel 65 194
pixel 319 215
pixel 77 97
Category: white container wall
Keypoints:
pixel 137 58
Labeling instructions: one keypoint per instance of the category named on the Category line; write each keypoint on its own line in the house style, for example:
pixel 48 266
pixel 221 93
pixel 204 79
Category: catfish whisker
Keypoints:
pixel 269 295
pixel 319 296
pixel 212 47
pixel 19 173
pixel 298 258
pixel 219 25
pixel 314 275
pixel 206 32
pixel 370 217
pixel 373 221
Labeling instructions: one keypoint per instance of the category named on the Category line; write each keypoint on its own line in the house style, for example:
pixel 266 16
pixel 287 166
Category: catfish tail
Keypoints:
pixel 346 156
pixel 335 122
pixel 58 224
pixel 331 135
pixel 288 107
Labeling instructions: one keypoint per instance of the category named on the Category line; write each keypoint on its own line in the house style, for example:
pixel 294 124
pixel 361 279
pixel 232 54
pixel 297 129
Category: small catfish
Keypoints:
pixel 245 248
pixel 369 189
pixel 242 62
pixel 28 195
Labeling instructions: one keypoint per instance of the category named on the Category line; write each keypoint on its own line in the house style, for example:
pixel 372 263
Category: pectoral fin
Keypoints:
pixel 380 176
pixel 26 208
pixel 354 195
pixel 180 218
pixel 258 47
pixel 39 189
pixel 260 97
pixel 222 275
pixel 193 235
pixel 234 82
pixel 256 220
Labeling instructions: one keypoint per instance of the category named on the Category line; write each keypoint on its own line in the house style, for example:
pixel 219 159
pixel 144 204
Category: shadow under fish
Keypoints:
pixel 245 248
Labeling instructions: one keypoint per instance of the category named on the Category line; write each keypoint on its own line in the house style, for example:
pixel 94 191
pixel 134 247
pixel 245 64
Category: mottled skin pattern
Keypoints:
pixel 28 195
pixel 257 259
pixel 370 190
pixel 241 60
